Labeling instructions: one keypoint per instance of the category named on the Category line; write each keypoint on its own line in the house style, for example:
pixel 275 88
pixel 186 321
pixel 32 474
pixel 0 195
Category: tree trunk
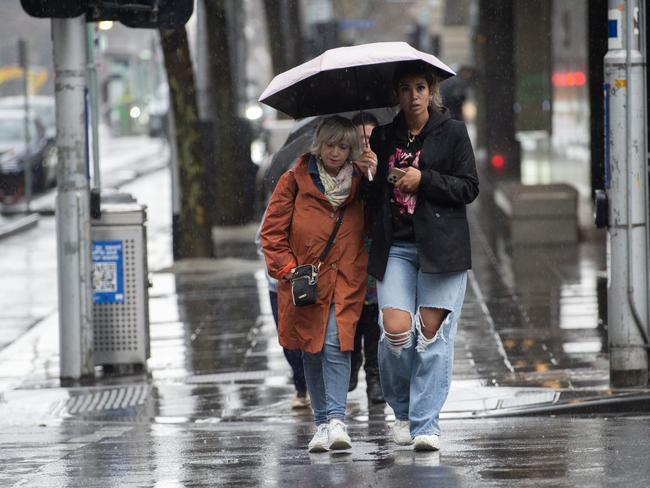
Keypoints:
pixel 285 34
pixel 195 222
pixel 234 176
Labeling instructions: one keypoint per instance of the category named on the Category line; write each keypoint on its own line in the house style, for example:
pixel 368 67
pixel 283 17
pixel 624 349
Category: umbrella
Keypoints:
pixel 344 79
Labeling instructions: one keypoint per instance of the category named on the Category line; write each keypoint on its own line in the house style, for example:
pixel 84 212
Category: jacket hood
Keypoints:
pixel 436 119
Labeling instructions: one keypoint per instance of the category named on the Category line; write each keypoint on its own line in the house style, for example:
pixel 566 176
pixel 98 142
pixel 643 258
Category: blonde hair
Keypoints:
pixel 336 130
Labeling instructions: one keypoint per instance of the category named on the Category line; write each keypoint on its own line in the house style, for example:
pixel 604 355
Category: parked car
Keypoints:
pixel 41 105
pixel 16 152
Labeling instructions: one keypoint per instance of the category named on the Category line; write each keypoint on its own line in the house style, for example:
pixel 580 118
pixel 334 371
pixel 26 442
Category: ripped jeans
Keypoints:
pixel 416 371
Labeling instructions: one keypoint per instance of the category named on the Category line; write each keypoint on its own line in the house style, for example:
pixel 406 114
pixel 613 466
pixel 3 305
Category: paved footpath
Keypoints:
pixel 214 408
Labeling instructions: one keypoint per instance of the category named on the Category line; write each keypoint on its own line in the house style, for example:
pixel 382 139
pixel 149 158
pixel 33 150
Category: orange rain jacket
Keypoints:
pixel 299 220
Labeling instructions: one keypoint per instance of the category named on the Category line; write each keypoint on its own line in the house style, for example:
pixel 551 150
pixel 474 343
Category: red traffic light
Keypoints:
pixel 497 161
pixel 570 78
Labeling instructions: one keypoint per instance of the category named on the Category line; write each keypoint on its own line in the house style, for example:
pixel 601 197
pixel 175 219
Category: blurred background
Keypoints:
pixel 529 86
pixel 528 74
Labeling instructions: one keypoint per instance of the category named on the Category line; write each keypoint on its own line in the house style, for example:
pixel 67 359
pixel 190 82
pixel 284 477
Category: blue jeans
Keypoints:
pixel 328 376
pixel 293 356
pixel 416 371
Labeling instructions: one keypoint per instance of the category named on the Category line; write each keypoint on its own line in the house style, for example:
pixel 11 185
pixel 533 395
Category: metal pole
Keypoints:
pixel 23 59
pixel 626 190
pixel 636 168
pixel 175 181
pixel 203 95
pixel 72 202
pixel 644 53
pixel 94 104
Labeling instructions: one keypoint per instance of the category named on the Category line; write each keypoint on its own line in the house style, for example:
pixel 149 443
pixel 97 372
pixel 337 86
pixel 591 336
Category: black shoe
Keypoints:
pixel 356 361
pixel 373 389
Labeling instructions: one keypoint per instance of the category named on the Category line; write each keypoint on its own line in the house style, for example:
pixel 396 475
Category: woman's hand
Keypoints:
pixel 367 163
pixel 410 182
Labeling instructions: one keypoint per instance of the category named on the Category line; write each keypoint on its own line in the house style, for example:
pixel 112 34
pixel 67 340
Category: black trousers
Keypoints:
pixel 366 340
pixel 294 356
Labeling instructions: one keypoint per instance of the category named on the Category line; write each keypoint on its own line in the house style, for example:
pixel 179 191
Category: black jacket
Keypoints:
pixel 449 182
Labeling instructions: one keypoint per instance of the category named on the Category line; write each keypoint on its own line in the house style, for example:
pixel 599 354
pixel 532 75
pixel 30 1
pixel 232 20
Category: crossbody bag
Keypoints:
pixel 305 277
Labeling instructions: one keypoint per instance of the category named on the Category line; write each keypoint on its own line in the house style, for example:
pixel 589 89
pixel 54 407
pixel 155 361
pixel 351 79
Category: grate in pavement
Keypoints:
pixel 116 398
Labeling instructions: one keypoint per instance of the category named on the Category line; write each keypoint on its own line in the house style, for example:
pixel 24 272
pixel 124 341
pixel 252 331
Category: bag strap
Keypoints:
pixel 330 241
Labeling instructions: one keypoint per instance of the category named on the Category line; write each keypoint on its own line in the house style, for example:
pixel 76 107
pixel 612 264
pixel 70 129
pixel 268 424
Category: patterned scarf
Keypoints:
pixel 337 188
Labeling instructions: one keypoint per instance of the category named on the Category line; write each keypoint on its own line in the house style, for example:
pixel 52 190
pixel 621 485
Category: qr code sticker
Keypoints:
pixel 105 277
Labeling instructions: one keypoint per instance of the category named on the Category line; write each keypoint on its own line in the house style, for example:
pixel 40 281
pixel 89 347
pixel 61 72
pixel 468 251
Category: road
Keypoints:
pixel 28 258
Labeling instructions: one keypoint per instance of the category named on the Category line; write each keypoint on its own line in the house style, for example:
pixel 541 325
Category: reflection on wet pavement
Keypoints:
pixel 214 408
pixel 517 452
pixel 547 303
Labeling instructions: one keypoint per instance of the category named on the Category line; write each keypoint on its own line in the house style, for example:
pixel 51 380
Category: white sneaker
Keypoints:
pixel 320 441
pixel 427 442
pixel 402 433
pixel 338 435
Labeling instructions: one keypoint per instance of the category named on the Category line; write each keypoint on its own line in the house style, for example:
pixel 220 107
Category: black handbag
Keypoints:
pixel 305 277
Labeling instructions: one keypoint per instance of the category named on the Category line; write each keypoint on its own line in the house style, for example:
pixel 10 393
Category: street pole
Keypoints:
pixel 72 201
pixel 626 185
pixel 23 59
pixel 176 186
pixel 496 62
pixel 93 101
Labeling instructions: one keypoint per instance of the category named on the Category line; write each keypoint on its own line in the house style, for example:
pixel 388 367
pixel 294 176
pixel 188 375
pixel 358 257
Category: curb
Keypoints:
pixel 18 225
pixel 624 403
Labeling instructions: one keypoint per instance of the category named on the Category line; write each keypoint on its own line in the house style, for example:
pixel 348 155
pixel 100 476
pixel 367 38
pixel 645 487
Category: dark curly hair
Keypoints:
pixel 425 70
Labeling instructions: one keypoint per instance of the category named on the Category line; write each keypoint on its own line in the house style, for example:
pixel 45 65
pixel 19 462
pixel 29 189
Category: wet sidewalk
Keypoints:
pixel 511 353
pixel 214 408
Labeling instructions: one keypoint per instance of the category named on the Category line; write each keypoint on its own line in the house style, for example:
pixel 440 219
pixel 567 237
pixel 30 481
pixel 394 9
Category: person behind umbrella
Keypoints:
pixel 454 92
pixel 420 251
pixel 299 220
pixel 366 338
pixel 293 357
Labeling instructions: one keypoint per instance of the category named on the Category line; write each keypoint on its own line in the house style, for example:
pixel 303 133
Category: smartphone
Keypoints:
pixel 395 174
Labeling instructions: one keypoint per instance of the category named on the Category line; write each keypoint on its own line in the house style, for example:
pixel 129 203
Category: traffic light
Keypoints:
pixel 167 14
pixel 52 8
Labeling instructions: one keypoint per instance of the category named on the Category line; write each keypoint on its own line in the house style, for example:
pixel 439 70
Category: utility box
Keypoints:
pixel 539 214
pixel 120 286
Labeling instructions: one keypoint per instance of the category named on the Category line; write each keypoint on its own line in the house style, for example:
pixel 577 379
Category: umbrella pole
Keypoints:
pixel 363 126
pixel 356 80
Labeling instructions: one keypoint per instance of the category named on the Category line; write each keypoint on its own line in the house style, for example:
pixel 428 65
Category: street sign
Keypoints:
pixel 166 14
pixel 360 24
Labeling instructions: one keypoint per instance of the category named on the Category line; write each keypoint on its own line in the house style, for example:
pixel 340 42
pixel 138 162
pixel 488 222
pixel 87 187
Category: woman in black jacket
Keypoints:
pixel 421 251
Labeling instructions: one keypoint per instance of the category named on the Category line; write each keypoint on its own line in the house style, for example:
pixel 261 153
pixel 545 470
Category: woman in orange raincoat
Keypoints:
pixel 299 220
